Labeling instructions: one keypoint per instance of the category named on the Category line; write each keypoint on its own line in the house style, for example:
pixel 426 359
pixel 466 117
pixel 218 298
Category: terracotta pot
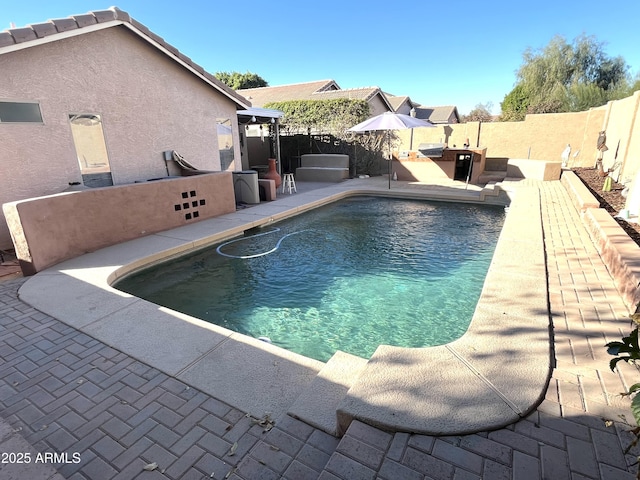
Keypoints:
pixel 273 174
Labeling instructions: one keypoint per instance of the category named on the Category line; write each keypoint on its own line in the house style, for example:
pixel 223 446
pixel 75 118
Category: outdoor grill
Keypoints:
pixel 431 149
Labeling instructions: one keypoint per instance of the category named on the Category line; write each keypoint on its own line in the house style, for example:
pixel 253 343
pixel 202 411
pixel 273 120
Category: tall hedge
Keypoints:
pixel 333 116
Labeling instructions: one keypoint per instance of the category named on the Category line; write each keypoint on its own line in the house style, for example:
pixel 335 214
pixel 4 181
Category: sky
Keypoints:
pixel 455 52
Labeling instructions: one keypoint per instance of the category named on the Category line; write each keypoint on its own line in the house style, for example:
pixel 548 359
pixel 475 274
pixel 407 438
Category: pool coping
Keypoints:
pixel 494 374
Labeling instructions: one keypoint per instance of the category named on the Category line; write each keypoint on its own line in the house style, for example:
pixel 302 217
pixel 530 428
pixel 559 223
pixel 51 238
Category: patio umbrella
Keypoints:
pixel 388 121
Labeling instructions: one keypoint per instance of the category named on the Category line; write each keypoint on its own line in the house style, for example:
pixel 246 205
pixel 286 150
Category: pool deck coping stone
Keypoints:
pixel 234 367
pixel 483 379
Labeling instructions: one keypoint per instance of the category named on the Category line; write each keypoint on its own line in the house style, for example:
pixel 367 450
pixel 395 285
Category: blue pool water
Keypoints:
pixel 348 276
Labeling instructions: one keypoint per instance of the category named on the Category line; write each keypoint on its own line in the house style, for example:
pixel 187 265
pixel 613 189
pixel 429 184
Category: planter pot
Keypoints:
pixel 273 174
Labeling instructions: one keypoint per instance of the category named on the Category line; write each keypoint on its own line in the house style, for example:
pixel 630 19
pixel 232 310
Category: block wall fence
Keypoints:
pixel 545 136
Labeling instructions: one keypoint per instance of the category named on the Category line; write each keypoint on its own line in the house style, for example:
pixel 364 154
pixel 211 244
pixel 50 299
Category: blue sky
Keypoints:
pixel 439 53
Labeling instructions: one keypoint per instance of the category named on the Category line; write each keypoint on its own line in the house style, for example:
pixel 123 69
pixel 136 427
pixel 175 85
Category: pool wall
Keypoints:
pixel 420 385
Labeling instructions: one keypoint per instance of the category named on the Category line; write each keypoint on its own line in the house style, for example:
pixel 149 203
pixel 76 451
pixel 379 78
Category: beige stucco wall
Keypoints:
pixel 545 136
pixel 47 230
pixel 631 158
pixel 538 137
pixel 148 104
pixel 620 124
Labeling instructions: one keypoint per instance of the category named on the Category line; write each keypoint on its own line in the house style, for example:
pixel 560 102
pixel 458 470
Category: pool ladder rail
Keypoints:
pixel 289 183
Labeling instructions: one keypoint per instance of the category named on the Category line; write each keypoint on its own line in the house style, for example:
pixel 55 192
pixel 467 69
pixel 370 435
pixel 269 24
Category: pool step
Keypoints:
pixel 318 403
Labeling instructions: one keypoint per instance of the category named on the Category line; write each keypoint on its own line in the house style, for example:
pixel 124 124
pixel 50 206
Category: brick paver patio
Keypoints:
pixel 65 392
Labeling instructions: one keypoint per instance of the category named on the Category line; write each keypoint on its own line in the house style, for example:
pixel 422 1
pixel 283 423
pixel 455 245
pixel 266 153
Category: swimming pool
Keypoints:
pixel 348 276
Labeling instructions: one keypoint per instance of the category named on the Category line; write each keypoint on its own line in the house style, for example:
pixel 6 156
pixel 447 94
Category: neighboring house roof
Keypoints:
pixel 282 93
pixel 364 93
pixel 445 114
pixel 397 102
pixel 38 33
pixel 319 90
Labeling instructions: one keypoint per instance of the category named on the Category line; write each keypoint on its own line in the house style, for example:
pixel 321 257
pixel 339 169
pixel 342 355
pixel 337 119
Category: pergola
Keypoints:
pixel 255 115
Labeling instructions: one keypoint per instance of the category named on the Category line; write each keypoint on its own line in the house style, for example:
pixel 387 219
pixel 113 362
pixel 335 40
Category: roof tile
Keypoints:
pixel 65 24
pixel 44 29
pixel 440 114
pixel 6 39
pixel 364 93
pixel 122 15
pixel 156 38
pixel 140 26
pixel 279 93
pixel 184 58
pixel 24 34
pixel 85 20
pixel 103 16
pixel 172 49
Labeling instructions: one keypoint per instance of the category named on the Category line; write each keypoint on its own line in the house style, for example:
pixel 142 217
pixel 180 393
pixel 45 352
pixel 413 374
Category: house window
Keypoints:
pixel 91 149
pixel 225 142
pixel 20 112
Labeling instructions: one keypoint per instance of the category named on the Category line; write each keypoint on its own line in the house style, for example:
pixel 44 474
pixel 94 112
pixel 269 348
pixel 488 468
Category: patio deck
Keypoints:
pixel 64 391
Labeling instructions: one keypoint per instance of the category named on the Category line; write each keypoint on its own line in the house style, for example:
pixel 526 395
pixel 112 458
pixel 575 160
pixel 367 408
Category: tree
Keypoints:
pixel 481 113
pixel 565 77
pixel 237 80
pixel 515 104
pixel 636 85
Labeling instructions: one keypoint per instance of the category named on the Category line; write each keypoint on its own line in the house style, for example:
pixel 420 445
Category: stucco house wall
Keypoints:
pixel 623 137
pixel 404 107
pixel 377 105
pixel 148 103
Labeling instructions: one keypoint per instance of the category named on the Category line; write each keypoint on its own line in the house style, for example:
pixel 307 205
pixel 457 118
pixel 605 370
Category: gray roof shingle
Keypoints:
pixel 318 90
pixel 440 114
pixel 282 93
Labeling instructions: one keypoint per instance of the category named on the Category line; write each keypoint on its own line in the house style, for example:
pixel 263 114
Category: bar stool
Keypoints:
pixel 288 183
